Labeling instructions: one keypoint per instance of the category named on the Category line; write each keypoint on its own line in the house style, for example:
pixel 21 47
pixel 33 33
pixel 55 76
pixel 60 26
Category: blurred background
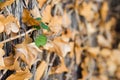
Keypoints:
pixel 85 36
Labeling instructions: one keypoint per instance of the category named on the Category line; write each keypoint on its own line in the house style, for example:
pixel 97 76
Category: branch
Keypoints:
pixel 49 67
pixel 15 37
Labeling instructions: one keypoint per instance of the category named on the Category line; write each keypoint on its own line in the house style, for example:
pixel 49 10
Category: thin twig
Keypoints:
pixel 21 35
pixel 50 66
pixel 4 72
pixel 90 69
pixel 71 67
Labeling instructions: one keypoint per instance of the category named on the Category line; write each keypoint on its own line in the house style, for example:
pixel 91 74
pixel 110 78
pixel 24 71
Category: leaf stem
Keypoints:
pixel 15 37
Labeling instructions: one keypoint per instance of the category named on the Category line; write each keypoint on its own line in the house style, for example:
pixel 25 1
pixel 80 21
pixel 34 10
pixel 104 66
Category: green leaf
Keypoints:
pixel 0 0
pixel 44 26
pixel 41 40
pixel 37 27
pixel 38 19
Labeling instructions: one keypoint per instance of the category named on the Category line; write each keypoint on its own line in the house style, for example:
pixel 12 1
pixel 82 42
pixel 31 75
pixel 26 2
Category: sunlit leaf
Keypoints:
pixel 41 40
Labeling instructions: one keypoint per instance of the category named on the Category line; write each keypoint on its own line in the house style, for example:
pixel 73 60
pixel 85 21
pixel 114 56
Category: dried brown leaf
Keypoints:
pixel 103 42
pixel 27 51
pixel 6 3
pixel 66 20
pixel 10 24
pixel 78 52
pixel 47 14
pixel 1 27
pixel 10 63
pixel 62 48
pixel 94 51
pixel 55 24
pixel 60 68
pixel 105 52
pixel 28 19
pixel 41 3
pixel 104 10
pixel 40 70
pixel 20 75
pixel 35 12
pixel 2 53
pixel 86 11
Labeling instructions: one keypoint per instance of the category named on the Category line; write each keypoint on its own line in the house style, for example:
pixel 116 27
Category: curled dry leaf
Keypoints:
pixel 20 75
pixel 40 70
pixel 94 51
pixel 11 27
pixel 55 24
pixel 110 24
pixel 10 63
pixel 6 3
pixel 61 49
pixel 57 50
pixel 71 49
pixel 118 73
pixel 48 46
pixel 104 10
pixel 103 42
pixel 86 11
pixel 78 52
pixel 27 40
pixel 8 28
pixel 84 65
pixel 9 24
pixel 59 69
pixel 67 35
pixel 105 52
pixel 112 67
pixel 66 20
pixel 27 51
pixel 63 46
pixel 28 19
pixel 2 18
pixel 90 28
pixel 1 27
pixel 2 53
pixel 47 14
pixel 41 2
pixel 35 12
pixel 55 2
pixel 115 56
pixel 14 28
